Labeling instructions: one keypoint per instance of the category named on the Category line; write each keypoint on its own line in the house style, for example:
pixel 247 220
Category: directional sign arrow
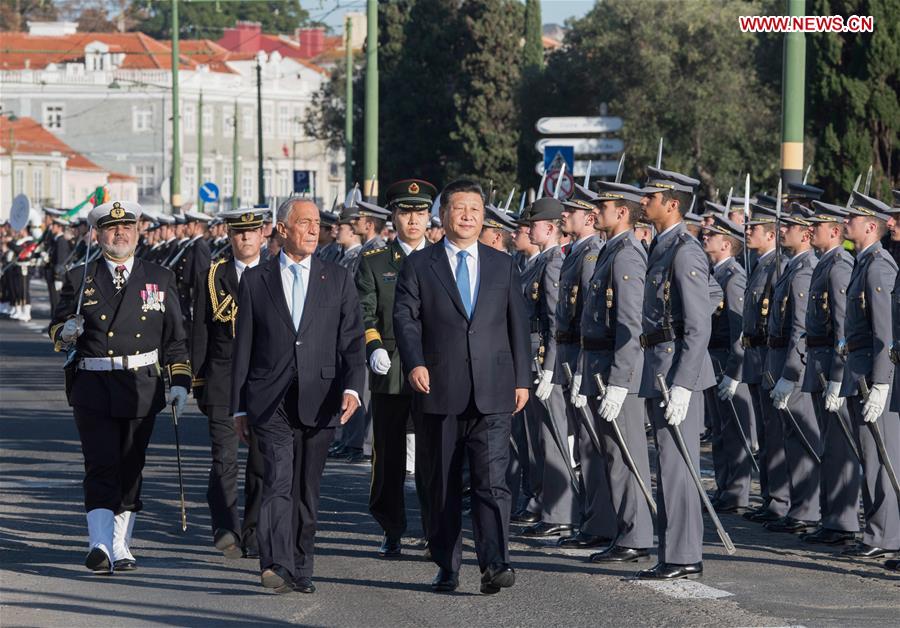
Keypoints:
pixel 583 145
pixel 578 124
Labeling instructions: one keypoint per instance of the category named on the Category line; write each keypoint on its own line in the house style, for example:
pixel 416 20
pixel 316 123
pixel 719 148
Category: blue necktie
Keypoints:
pixel 297 296
pixel 462 282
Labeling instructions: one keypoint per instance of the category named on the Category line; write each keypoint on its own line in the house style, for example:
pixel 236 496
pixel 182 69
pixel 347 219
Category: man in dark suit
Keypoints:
pixel 298 370
pixel 463 332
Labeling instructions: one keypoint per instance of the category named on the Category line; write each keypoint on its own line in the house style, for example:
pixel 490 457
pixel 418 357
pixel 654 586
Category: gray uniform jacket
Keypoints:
pixel 544 294
pixel 611 317
pixel 727 319
pixel 574 281
pixel 787 319
pixel 680 292
pixel 530 273
pixel 757 309
pixel 825 316
pixel 350 259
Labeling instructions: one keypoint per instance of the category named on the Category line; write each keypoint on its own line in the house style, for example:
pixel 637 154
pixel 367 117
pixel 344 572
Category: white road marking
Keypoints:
pixel 685 589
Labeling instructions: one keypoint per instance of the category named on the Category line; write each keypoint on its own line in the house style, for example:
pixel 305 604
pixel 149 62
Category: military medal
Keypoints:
pixel 153 297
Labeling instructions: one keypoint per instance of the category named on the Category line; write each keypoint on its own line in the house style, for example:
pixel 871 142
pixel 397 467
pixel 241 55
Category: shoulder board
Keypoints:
pixel 887 257
pixel 376 251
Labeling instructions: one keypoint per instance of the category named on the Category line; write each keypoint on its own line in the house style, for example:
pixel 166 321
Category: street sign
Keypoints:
pixel 566 186
pixel 583 145
pixel 209 192
pixel 578 124
pixel 598 168
pixel 301 181
pixel 556 156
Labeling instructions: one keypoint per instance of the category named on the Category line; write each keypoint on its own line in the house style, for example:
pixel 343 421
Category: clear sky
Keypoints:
pixel 331 11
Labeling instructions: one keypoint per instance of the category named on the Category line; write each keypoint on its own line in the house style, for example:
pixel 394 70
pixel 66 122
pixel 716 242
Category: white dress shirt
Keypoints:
pixel 471 262
pixel 128 264
pixel 240 267
pixel 407 249
pixel 287 277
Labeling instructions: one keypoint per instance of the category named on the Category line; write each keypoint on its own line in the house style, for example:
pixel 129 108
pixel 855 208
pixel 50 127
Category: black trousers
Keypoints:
pixel 51 290
pixel 445 441
pixel 387 503
pixel 114 453
pixel 294 459
pixel 221 492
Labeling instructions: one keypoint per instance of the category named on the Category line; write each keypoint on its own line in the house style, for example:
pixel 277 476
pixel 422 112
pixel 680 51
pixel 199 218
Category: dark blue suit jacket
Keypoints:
pixel 326 355
pixel 486 357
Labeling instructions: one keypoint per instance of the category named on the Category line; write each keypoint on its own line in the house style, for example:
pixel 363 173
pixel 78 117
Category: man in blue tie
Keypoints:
pixel 463 334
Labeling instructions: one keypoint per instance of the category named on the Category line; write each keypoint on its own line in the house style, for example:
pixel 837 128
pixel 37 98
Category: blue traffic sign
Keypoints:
pixel 302 180
pixel 209 192
pixel 559 153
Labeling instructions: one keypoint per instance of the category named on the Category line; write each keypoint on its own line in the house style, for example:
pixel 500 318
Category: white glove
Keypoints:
pixel 874 405
pixel 544 385
pixel 73 328
pixel 579 401
pixel 676 409
pixel 833 399
pixel 781 393
pixel 727 388
pixel 380 361
pixel 57 285
pixel 611 404
pixel 178 396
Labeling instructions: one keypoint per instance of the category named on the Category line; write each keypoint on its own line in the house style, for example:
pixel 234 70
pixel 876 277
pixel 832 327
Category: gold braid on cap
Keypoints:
pixel 224 311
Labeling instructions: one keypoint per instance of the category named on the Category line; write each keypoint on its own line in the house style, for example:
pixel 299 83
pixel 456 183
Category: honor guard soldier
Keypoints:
pixel 894 563
pixel 368 222
pixel 115 316
pixel 798 451
pixel 58 249
pixel 329 250
pixel 167 240
pixel 192 261
pixel 760 239
pixel 611 349
pixel 679 298
pixel 391 405
pixel 497 229
pixel 212 334
pixel 348 242
pixel 867 345
pixel 729 405
pixel 558 499
pixel 825 315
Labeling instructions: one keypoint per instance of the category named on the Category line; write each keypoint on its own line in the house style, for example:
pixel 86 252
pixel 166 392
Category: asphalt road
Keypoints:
pixel 183 581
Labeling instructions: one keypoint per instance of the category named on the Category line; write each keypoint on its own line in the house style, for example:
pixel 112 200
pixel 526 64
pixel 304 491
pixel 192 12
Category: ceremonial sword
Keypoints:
pixel 557 437
pixel 790 415
pixel 879 441
pixel 837 417
pixel 737 422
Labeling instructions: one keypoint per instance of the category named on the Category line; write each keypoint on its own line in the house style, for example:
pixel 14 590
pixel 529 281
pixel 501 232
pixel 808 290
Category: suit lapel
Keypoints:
pixel 488 275
pixel 132 290
pixel 440 265
pixel 317 278
pixel 272 280
pixel 101 280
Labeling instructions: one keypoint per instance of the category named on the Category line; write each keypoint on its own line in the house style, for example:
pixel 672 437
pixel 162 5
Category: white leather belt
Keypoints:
pixel 118 362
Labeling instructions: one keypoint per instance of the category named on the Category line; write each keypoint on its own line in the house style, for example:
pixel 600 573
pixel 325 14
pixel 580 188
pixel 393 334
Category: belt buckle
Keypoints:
pixel 643 340
pixel 125 362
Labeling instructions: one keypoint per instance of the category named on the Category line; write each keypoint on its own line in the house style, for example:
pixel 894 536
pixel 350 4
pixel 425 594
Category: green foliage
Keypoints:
pixel 533 50
pixel 198 20
pixel 15 14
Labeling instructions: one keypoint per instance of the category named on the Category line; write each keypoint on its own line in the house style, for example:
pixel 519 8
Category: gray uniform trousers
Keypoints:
pixel 680 513
pixel 803 472
pixel 518 475
pixel 599 515
pixel 759 433
pixel 773 456
pixel 731 462
pixel 633 520
pixel 559 503
pixel 840 471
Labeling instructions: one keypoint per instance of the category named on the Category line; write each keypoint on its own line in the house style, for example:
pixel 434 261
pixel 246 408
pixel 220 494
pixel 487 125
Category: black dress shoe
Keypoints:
pixel 863 550
pixel 97 561
pixel 276 579
pixel 251 552
pixel 669 571
pixel 544 530
pixel 357 457
pixel 619 554
pixel 727 509
pixel 756 511
pixel 523 516
pixel 497 576
pixel 583 540
pixel 228 543
pixel 304 585
pixel 706 436
pixel 426 553
pixel 892 564
pixel 125 564
pixel 826 536
pixel 337 450
pixel 791 525
pixel 763 516
pixel 390 547
pixel 445 581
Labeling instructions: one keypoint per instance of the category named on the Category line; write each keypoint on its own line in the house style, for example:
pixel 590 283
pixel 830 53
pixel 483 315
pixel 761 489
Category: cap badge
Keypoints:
pixel 248 217
pixel 117 211
pixel 413 188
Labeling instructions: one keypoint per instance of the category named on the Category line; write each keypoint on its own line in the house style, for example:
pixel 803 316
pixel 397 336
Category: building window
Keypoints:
pixel 207 121
pixel 227 180
pixel 298 122
pixel 142 118
pixel 20 181
pixel 284 121
pixel 228 121
pixel 146 177
pixel 54 186
pixel 284 183
pixel 247 185
pixel 37 184
pixel 189 116
pixel 268 127
pixel 267 182
pixel 53 117
pixel 248 126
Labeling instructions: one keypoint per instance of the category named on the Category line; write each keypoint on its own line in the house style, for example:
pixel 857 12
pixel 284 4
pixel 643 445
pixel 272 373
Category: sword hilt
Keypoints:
pixel 864 389
pixel 664 389
pixel 600 386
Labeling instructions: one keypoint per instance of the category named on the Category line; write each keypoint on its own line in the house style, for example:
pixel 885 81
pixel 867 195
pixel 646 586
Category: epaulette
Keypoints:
pixel 886 256
pixel 374 251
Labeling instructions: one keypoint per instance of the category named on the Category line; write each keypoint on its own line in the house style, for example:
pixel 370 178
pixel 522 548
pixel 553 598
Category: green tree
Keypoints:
pixel 15 14
pixel 210 19
pixel 853 84
pixel 533 50
pixel 531 83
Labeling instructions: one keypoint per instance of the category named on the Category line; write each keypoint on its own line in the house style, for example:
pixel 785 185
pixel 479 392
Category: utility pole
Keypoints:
pixel 200 150
pixel 348 113
pixel 793 91
pixel 175 181
pixel 370 162
pixel 235 150
pixel 261 182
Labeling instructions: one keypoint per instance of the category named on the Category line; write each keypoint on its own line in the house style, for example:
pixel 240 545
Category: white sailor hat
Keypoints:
pixel 113 213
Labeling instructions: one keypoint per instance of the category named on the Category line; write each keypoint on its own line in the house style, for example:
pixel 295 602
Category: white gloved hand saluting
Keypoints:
pixel 727 388
pixel 781 393
pixel 578 400
pixel 676 409
pixel 380 361
pixel 544 385
pixel 611 404
pixel 833 399
pixel 874 405
pixel 73 328
pixel 178 396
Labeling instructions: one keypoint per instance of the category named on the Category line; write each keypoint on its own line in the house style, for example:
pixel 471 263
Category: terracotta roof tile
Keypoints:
pixel 28 137
pixel 141 52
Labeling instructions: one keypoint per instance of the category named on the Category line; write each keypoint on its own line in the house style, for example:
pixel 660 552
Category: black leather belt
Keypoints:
pixel 778 343
pixel 749 342
pixel 859 343
pixel 819 341
pixel 568 338
pixel 719 344
pixel 895 356
pixel 666 334
pixel 598 344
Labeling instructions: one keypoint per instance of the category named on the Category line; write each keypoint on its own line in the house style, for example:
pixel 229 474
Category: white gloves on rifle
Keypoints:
pixel 833 399
pixel 727 388
pixel 178 397
pixel 380 361
pixel 544 385
pixel 676 409
pixel 578 400
pixel 781 393
pixel 874 405
pixel 72 328
pixel 611 404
